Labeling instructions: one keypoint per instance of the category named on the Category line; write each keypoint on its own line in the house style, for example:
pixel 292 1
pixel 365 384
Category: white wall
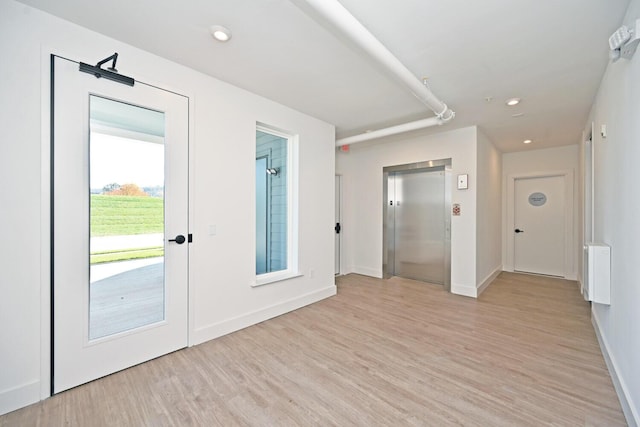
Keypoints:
pixel 558 159
pixel 617 224
pixel 223 120
pixel 489 213
pixel 361 169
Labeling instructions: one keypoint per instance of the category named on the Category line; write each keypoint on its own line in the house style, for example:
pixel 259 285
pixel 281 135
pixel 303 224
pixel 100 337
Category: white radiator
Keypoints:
pixel 597 280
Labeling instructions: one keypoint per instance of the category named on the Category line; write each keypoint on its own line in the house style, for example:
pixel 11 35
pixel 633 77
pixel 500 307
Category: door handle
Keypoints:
pixel 180 239
pixel 517 230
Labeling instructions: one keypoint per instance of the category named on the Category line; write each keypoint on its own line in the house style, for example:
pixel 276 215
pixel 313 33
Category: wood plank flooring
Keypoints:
pixel 381 353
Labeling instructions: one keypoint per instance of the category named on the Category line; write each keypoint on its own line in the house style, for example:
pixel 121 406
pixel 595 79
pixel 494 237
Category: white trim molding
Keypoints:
pixel 367 271
pixel 488 280
pixel 237 323
pixel 465 291
pixel 631 413
pixel 19 397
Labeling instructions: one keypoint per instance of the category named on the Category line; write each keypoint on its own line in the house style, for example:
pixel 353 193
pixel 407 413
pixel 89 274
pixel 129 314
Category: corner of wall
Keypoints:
pixel 484 284
pixel 465 291
pixel 489 212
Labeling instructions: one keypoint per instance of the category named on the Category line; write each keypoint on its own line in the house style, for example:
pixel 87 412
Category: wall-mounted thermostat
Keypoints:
pixel 463 182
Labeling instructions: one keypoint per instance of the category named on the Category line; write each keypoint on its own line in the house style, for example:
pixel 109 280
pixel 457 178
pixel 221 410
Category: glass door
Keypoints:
pixel 126 217
pixel 120 206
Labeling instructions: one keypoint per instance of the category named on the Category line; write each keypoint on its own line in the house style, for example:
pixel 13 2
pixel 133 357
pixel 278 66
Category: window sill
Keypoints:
pixel 265 279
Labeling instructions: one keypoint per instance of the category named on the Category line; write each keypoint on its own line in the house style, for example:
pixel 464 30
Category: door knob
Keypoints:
pixel 180 239
pixel 517 230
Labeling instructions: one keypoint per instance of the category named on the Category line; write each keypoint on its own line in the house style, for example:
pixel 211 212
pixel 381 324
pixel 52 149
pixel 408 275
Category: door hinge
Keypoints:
pixel 337 228
pixel 190 238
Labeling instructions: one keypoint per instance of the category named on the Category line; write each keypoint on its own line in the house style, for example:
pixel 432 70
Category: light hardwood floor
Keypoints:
pixel 382 352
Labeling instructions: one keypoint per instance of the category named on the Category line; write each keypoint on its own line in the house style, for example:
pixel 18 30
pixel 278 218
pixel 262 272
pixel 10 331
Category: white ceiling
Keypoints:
pixel 552 54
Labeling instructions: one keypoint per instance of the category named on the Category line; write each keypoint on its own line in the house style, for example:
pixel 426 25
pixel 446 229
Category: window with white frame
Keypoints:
pixel 276 205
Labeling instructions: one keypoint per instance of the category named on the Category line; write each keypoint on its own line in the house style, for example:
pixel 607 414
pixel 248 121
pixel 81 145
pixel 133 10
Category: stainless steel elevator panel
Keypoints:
pixel 417 224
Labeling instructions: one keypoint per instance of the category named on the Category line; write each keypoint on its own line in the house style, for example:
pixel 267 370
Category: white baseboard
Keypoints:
pixel 346 269
pixel 467 291
pixel 366 271
pixel 19 397
pixel 628 407
pixel 487 280
pixel 227 326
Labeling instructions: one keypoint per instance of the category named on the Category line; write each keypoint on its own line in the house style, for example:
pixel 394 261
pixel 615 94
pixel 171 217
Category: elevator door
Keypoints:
pixel 417 205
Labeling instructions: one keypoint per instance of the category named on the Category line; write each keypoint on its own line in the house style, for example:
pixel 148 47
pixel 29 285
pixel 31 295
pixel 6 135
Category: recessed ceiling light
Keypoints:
pixel 220 33
pixel 527 141
pixel 512 102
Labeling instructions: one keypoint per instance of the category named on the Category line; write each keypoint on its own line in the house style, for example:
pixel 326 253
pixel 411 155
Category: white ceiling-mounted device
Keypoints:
pixel 624 41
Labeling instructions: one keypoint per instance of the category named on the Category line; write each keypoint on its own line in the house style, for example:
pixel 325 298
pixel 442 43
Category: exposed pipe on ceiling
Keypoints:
pixel 393 130
pixel 333 12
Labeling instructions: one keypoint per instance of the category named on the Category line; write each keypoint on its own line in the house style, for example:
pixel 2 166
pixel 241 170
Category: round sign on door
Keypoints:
pixel 537 199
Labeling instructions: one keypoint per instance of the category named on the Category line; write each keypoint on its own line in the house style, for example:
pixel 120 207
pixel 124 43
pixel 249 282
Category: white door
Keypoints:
pixel 120 196
pixel 539 225
pixel 338 226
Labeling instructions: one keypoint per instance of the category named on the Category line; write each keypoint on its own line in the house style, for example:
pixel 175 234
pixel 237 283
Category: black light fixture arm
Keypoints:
pixel 110 73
